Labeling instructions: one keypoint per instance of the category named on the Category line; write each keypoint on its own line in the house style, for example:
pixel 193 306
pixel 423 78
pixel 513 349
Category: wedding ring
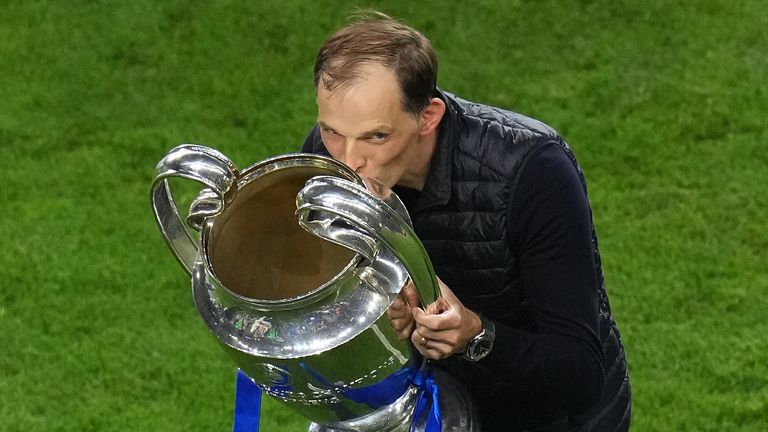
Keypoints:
pixel 423 341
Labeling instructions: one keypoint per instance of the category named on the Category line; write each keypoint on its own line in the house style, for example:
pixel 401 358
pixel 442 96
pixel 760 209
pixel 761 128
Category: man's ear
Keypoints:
pixel 431 116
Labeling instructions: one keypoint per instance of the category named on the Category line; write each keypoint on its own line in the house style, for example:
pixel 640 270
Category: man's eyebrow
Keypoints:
pixel 378 130
pixel 324 126
pixel 382 129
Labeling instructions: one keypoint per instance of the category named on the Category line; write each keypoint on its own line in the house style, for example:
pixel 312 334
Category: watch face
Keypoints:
pixel 479 348
pixel 482 347
pixel 482 344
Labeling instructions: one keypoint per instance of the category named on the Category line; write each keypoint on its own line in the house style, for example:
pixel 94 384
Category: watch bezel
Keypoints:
pixel 486 336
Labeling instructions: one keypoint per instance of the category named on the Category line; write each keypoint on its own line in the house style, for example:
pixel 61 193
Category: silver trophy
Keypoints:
pixel 296 260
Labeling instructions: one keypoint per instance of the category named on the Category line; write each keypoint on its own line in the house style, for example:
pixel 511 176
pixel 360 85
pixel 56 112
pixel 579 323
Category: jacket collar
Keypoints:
pixel 437 187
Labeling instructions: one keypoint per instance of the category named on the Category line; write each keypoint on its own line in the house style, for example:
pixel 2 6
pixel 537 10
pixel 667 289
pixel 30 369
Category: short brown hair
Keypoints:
pixel 377 38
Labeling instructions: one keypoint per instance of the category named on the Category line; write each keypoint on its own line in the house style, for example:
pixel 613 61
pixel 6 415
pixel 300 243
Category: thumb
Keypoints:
pixel 418 313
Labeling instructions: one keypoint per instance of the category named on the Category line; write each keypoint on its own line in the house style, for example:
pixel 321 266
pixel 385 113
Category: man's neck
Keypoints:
pixel 417 173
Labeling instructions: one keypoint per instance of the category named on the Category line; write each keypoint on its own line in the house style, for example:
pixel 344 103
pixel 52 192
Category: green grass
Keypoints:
pixel 664 103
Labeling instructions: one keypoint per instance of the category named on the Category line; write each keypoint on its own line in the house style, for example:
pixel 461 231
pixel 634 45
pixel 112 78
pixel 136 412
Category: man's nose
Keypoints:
pixel 352 156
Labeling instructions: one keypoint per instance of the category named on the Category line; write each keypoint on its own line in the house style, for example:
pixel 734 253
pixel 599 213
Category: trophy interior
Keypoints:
pixel 257 248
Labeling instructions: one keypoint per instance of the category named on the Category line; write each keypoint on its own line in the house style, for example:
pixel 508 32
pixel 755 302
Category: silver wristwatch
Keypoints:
pixel 482 344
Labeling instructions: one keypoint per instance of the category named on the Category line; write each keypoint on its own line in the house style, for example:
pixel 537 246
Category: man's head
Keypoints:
pixel 377 110
pixel 380 40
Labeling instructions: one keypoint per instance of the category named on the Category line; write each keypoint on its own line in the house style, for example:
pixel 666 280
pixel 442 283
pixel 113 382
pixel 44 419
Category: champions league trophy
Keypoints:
pixel 296 262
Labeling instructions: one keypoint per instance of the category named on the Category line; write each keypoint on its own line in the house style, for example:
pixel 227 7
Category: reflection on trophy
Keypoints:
pixel 296 262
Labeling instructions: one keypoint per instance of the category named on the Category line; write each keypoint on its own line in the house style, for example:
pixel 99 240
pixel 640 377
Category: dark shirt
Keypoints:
pixel 556 345
pixel 557 362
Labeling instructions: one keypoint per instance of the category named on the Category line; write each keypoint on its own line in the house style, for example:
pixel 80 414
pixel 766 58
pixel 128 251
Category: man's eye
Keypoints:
pixel 379 137
pixel 329 131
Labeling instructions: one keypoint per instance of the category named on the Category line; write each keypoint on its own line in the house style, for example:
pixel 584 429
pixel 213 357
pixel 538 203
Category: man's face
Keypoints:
pixel 364 126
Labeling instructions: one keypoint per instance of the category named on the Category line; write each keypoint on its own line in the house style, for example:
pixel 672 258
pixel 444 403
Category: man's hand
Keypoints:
pixel 400 311
pixel 445 327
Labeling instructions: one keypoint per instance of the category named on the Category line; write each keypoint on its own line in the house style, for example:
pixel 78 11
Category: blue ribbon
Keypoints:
pixel 382 393
pixel 247 404
pixel 248 399
pixel 375 395
pixel 429 393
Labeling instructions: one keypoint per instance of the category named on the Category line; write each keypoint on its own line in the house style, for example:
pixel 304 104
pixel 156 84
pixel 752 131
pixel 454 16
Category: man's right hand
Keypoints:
pixel 400 314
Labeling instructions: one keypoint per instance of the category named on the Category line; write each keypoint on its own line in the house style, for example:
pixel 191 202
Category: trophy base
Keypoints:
pixel 457 408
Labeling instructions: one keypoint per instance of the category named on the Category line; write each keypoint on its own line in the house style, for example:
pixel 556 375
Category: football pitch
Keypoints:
pixel 664 103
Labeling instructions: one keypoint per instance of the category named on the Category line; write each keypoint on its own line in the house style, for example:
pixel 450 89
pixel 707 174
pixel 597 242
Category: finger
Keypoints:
pixel 443 336
pixel 418 340
pixel 399 303
pixel 449 340
pixel 398 324
pixel 438 306
pixel 399 307
pixel 434 350
pixel 395 313
pixel 424 342
pixel 440 322
pixel 410 295
pixel 404 334
pixel 401 324
pixel 437 350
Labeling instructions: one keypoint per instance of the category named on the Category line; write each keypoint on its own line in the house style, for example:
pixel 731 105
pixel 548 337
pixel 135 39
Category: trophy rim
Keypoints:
pixel 251 173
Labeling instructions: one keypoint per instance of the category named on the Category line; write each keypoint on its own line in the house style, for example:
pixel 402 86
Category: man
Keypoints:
pixel 500 204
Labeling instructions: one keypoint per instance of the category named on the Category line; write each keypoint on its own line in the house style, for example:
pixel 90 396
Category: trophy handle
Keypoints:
pixel 203 165
pixel 348 214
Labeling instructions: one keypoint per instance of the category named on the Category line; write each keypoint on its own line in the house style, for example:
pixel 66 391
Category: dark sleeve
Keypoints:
pixel 559 358
pixel 313 143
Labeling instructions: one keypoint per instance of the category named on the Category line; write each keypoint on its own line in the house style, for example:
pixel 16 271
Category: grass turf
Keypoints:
pixel 664 103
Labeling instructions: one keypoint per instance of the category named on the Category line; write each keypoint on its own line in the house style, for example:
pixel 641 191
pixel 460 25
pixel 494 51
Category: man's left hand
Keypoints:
pixel 444 327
